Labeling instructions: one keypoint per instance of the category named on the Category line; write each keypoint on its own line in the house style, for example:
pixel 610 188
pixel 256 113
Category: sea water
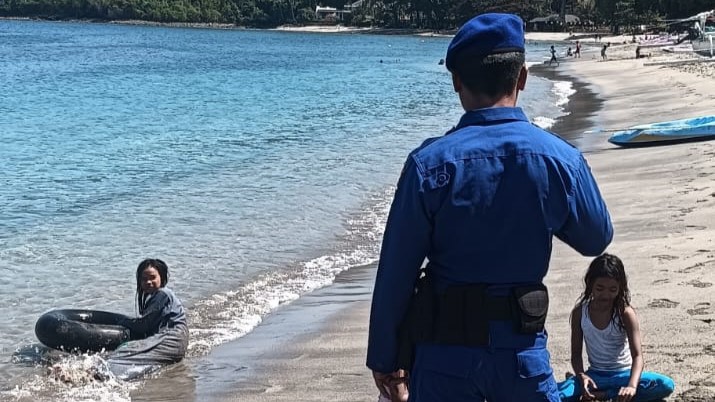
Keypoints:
pixel 257 164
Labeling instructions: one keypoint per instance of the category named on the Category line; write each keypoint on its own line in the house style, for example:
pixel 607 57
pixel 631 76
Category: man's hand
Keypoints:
pixel 392 385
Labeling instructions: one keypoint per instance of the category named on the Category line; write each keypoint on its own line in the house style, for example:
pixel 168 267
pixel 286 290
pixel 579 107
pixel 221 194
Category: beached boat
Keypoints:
pixel 698 128
pixel 705 44
pixel 703 33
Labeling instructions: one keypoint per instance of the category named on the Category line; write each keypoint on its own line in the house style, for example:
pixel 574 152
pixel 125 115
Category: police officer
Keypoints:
pixel 481 204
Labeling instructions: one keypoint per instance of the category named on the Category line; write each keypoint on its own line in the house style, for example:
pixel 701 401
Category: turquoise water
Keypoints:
pixel 257 164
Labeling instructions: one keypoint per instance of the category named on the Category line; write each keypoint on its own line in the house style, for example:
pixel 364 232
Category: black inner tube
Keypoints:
pixel 81 330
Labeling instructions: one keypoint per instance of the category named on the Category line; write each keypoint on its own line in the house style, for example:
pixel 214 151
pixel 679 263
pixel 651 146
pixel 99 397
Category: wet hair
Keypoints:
pixel 494 75
pixel 608 266
pixel 163 270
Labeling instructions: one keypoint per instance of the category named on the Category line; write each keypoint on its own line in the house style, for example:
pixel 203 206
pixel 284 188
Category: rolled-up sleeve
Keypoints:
pixel 404 247
pixel 588 228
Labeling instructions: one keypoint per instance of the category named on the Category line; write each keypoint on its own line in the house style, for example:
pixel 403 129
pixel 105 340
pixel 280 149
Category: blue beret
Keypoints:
pixel 487 34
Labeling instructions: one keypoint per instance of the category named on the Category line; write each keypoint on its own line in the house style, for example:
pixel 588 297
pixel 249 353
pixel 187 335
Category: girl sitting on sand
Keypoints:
pixel 605 320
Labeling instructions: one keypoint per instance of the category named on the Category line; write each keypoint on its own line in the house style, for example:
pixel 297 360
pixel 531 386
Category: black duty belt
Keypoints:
pixel 461 314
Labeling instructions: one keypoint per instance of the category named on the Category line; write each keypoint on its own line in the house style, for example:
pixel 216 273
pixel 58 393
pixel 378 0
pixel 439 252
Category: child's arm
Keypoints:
pixel 576 341
pixel 149 322
pixel 577 354
pixel 633 332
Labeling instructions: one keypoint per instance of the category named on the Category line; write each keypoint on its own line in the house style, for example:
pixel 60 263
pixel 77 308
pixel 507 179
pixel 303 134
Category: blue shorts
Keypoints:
pixel 446 373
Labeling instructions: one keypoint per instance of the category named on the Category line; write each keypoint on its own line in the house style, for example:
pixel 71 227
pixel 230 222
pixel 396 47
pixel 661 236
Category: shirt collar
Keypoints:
pixel 490 115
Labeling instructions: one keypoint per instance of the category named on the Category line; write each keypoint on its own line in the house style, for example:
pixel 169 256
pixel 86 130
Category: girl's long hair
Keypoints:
pixel 608 266
pixel 163 270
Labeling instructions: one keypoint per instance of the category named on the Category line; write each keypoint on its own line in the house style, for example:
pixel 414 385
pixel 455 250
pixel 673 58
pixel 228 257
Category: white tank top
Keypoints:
pixel 607 348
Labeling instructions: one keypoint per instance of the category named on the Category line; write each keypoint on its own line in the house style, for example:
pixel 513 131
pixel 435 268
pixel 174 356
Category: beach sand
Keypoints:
pixel 662 200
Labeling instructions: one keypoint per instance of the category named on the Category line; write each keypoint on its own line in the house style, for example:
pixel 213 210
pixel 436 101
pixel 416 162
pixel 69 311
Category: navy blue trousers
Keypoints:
pixel 445 373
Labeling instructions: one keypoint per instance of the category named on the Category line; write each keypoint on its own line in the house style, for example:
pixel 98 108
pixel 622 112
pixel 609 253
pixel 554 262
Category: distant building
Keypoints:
pixel 553 22
pixel 334 14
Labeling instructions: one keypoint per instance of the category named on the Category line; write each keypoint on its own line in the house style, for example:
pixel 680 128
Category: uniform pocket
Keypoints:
pixel 533 362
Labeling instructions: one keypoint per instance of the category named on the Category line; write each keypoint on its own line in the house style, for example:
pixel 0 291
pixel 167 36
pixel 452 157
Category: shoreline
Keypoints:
pixel 581 108
pixel 665 241
pixel 338 28
pixel 559 37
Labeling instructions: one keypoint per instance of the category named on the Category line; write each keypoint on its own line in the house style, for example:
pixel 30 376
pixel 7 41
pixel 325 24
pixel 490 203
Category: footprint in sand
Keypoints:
pixel 696 283
pixel 665 257
pixel 273 388
pixel 697 394
pixel 696 266
pixel 700 309
pixel 705 382
pixel 696 227
pixel 663 303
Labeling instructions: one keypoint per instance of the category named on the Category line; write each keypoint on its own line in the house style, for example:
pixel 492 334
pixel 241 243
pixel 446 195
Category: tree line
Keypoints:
pixel 409 14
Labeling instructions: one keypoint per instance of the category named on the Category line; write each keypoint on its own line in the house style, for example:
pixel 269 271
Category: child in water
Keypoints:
pixel 604 319
pixel 160 335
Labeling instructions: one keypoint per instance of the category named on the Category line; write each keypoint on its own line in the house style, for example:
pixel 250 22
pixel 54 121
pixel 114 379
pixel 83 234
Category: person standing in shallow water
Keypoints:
pixel 481 204
pixel 553 56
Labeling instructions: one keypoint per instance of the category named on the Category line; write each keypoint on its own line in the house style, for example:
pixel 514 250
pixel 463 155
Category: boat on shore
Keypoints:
pixel 702 33
pixel 668 132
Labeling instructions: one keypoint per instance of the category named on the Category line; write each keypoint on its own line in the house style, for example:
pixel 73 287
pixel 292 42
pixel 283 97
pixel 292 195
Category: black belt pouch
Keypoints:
pixel 531 304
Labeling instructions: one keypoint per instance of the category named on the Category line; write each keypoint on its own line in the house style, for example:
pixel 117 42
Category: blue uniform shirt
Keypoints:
pixel 481 204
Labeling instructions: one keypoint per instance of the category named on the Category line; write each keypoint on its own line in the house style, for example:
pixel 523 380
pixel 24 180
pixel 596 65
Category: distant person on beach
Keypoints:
pixel 553 56
pixel 159 336
pixel 481 205
pixel 569 53
pixel 603 52
pixel 577 53
pixel 604 320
